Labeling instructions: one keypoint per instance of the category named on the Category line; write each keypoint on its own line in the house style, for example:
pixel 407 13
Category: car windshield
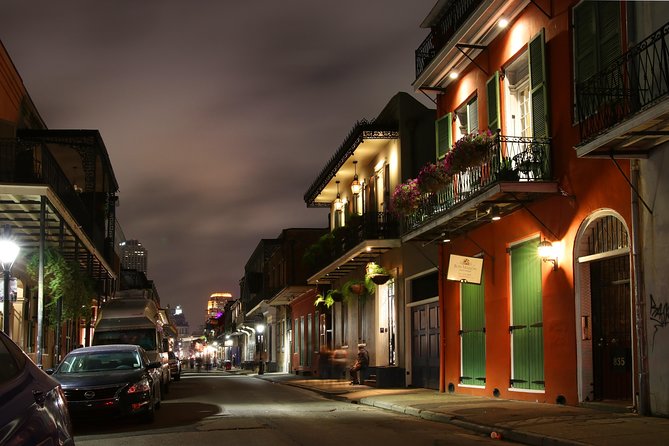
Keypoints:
pixel 100 361
pixel 146 338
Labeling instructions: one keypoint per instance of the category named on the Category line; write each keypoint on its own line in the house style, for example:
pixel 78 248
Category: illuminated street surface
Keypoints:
pixel 234 409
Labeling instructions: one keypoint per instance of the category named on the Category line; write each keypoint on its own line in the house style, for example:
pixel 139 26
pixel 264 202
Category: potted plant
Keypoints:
pixel 358 288
pixel 506 171
pixel 433 177
pixel 377 273
pixel 405 198
pixel 327 300
pixel 470 150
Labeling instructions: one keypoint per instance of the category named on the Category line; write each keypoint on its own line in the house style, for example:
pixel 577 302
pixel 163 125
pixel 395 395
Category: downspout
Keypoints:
pixel 643 403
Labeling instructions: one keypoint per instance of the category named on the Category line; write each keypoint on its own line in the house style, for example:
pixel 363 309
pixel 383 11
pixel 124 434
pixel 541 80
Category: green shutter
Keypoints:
pixel 443 132
pixel 492 89
pixel 526 317
pixel 585 41
pixel 473 115
pixel 473 335
pixel 539 86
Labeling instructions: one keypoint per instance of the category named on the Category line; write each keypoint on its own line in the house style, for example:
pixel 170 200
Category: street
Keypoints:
pixel 220 409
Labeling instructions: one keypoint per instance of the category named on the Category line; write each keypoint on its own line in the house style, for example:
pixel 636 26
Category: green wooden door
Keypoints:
pixel 527 337
pixel 472 334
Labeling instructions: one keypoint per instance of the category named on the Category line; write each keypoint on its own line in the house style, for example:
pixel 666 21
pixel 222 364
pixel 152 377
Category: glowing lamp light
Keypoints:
pixel 260 328
pixel 547 253
pixel 356 187
pixel 338 203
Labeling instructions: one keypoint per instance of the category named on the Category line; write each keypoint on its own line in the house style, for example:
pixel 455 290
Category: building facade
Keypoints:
pixel 547 86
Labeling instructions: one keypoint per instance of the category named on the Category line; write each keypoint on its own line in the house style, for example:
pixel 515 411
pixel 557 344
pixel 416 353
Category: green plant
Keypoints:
pixel 357 288
pixel 330 297
pixel 65 281
pixel 506 170
pixel 376 273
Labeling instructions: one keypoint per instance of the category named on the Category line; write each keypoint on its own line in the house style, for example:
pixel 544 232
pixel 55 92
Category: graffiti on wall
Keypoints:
pixel 659 314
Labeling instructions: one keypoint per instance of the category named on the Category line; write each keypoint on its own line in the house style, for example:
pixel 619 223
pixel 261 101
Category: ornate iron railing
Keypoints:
pixel 369 226
pixel 511 158
pixel 29 163
pixel 633 82
pixel 456 12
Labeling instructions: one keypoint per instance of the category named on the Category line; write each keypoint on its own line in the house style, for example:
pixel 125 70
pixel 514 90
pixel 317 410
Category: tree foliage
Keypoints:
pixel 63 280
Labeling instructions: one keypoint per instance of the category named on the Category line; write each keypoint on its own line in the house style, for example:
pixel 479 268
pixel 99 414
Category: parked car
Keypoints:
pixel 110 380
pixel 32 404
pixel 175 366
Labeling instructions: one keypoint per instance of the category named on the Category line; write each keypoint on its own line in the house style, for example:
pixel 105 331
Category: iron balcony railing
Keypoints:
pixel 33 164
pixel 633 82
pixel 511 158
pixel 359 228
pixel 455 14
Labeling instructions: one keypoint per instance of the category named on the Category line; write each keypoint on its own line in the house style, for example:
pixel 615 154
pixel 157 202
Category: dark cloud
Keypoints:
pixel 217 115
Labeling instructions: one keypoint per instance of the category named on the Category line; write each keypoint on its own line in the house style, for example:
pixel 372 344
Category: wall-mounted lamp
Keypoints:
pixel 453 75
pixel 494 213
pixel 503 23
pixel 338 203
pixel 356 187
pixel 547 253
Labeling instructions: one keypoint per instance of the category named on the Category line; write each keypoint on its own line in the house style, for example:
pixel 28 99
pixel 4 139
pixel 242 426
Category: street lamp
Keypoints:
pixel 8 252
pixel 260 329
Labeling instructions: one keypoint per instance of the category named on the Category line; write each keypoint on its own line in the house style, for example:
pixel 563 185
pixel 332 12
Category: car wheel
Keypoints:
pixel 159 398
pixel 177 377
pixel 150 414
pixel 166 387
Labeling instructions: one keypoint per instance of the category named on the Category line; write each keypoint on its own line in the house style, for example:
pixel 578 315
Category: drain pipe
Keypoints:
pixel 643 404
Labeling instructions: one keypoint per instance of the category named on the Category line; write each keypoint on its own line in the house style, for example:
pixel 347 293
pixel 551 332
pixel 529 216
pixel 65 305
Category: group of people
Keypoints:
pixel 332 364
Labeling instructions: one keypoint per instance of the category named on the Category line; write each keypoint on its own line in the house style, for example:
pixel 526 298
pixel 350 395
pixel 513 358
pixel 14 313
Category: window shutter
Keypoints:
pixel 492 88
pixel 539 86
pixel 608 24
pixel 443 130
pixel 473 334
pixel 473 115
pixel 527 317
pixel 585 40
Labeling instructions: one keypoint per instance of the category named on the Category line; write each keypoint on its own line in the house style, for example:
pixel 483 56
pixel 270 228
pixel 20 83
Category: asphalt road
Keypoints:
pixel 243 410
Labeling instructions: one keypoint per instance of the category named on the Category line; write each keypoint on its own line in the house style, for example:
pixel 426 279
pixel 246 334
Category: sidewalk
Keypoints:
pixel 522 422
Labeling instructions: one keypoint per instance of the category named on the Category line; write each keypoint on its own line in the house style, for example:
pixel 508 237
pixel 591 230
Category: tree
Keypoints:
pixel 64 280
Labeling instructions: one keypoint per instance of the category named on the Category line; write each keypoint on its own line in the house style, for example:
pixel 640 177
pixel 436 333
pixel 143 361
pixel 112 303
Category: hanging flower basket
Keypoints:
pixel 380 279
pixel 405 198
pixel 470 150
pixel 433 177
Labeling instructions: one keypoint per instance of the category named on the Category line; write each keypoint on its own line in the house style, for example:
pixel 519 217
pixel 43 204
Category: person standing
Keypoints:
pixel 359 369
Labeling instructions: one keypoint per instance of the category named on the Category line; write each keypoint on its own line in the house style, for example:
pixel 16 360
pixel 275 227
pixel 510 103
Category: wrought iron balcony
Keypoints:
pixel 349 247
pixel 455 14
pixel 32 164
pixel 511 159
pixel 632 84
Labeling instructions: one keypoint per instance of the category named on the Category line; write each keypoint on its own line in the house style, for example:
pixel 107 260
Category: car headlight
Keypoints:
pixel 140 386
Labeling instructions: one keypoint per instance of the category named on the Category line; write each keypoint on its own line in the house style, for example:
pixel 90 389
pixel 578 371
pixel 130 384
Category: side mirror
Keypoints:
pixel 154 365
pixel 50 371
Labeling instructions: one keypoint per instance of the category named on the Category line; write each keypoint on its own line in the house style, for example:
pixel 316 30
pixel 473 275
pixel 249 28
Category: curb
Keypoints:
pixel 504 433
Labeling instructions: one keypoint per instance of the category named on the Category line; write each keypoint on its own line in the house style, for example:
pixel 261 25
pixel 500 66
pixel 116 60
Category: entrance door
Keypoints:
pixel 611 329
pixel 425 345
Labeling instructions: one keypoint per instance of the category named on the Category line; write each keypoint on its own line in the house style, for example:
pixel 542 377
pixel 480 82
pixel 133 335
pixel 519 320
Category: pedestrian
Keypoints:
pixel 359 369
pixel 339 360
pixel 325 362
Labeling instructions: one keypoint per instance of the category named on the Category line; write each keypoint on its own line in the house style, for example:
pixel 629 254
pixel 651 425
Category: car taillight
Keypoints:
pixel 140 386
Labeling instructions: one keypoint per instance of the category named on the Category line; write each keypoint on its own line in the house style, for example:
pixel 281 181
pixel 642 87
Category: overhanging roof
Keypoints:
pixel 357 257
pixel 20 208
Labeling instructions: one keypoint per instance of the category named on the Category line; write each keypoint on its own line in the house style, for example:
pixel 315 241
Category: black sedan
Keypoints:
pixel 110 380
pixel 32 404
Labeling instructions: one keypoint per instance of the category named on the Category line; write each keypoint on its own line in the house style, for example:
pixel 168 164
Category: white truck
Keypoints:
pixel 138 321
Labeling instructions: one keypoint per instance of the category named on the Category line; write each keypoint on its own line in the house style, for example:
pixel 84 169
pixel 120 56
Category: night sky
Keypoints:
pixel 217 115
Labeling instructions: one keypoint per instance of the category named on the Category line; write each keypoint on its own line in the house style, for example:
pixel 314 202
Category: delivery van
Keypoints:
pixel 137 321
